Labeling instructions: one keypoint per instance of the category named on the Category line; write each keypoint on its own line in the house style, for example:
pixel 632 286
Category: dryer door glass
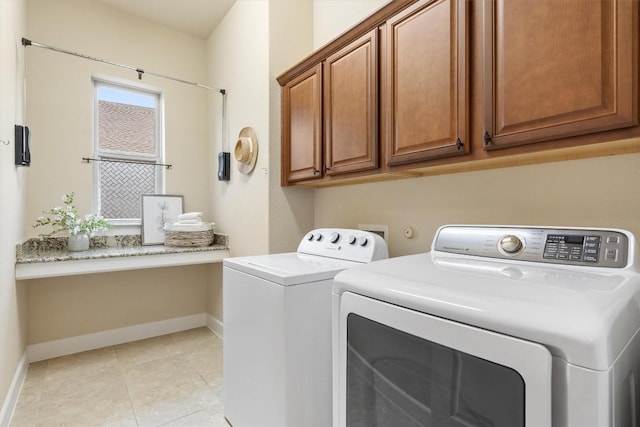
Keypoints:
pixel 395 379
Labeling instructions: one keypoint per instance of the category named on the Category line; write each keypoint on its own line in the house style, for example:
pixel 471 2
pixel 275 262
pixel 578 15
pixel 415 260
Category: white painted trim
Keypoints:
pixel 215 325
pixel 11 399
pixel 71 345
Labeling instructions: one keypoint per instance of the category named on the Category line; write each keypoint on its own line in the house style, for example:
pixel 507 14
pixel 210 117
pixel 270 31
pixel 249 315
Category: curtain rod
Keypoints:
pixel 140 71
pixel 135 162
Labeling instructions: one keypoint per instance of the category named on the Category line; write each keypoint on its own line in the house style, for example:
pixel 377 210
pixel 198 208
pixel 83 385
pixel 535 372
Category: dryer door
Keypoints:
pixel 398 367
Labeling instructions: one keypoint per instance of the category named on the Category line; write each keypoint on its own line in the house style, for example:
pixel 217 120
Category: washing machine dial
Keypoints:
pixel 334 237
pixel 310 237
pixel 510 244
pixel 319 237
pixel 362 241
pixel 351 239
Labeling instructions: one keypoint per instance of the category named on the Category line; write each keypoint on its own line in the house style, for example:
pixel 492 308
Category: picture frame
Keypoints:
pixel 158 210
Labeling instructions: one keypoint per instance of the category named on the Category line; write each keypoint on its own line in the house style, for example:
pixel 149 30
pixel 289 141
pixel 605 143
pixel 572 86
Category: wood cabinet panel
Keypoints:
pixel 555 69
pixel 425 82
pixel 351 107
pixel 543 80
pixel 302 127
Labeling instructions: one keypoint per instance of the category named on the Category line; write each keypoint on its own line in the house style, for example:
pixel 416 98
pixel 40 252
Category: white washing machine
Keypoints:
pixel 277 329
pixel 496 326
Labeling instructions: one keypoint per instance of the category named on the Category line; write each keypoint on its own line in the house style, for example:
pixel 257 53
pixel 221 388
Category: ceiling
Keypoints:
pixel 196 17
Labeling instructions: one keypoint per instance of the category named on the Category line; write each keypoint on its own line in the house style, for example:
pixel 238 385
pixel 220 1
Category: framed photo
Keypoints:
pixel 158 210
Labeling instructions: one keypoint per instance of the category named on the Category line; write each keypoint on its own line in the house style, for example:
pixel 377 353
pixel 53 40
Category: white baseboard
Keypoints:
pixel 215 325
pixel 11 399
pixel 65 346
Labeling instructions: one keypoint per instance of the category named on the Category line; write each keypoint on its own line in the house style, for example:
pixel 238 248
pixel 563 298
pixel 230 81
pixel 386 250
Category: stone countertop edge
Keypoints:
pixel 53 249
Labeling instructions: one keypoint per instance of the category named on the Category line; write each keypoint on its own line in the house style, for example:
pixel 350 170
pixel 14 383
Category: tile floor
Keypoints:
pixel 173 380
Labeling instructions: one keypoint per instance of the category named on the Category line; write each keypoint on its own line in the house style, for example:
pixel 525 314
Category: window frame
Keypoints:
pixel 98 81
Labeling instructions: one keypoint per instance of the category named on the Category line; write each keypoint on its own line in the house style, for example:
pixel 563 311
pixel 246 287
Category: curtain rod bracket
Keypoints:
pixel 140 72
pixel 26 42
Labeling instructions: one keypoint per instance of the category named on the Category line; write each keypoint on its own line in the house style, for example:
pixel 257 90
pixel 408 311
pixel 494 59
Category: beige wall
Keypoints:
pixel 333 17
pixel 565 193
pixel 290 208
pixel 238 56
pixel 12 295
pixel 238 61
pixel 214 292
pixel 78 305
pixel 60 99
pixel 60 118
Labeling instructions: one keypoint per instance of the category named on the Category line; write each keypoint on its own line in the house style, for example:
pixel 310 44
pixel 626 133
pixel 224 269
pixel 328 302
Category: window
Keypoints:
pixel 128 141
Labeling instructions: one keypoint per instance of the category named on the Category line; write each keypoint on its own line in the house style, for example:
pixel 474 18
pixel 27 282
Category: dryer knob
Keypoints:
pixel 352 239
pixel 510 244
pixel 310 237
pixel 319 237
pixel 334 237
pixel 362 241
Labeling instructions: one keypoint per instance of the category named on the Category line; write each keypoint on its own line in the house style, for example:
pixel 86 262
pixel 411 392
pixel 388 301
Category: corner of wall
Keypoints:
pixel 13 363
pixel 291 211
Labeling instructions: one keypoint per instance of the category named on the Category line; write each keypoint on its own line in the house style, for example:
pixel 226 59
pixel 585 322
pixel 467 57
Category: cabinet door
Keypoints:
pixel 302 127
pixel 351 107
pixel 555 69
pixel 425 81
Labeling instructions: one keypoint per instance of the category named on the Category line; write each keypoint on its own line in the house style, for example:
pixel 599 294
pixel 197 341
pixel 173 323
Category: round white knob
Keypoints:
pixel 334 237
pixel 351 239
pixel 310 237
pixel 318 237
pixel 510 244
pixel 362 241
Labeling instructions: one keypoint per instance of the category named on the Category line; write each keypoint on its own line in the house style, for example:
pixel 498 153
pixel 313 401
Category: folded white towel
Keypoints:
pixel 189 221
pixel 203 226
pixel 190 215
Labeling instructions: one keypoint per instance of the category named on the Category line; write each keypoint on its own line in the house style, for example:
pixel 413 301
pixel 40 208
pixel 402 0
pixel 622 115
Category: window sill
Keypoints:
pixel 56 262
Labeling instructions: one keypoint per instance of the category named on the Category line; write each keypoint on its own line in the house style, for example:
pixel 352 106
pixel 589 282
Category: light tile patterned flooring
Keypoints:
pixel 173 380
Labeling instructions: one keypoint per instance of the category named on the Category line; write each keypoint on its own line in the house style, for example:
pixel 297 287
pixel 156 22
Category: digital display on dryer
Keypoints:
pixel 572 247
pixel 569 240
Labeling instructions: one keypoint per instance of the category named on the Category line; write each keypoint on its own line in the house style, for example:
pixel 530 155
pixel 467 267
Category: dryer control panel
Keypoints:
pixel 569 246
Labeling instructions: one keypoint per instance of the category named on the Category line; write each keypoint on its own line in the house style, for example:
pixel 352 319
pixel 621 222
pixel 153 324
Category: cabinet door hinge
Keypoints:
pixel 486 138
pixel 459 144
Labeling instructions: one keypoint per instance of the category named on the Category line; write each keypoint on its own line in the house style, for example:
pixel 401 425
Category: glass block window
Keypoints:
pixel 128 134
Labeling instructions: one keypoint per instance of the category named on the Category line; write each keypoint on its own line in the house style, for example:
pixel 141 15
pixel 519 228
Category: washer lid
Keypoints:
pixel 290 269
pixel 582 316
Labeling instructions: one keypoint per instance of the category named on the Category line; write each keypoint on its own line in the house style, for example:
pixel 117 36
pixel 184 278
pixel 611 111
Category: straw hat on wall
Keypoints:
pixel 246 150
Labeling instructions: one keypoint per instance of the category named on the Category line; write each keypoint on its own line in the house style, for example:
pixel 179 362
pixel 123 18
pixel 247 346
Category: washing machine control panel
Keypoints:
pixel 570 246
pixel 347 244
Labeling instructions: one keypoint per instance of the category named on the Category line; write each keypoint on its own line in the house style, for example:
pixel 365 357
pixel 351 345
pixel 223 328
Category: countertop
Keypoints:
pixel 48 257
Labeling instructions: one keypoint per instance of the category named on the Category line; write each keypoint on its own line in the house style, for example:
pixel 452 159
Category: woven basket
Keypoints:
pixel 188 238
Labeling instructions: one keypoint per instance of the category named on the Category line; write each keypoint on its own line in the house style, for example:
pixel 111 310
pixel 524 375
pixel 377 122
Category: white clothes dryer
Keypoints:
pixel 497 325
pixel 277 329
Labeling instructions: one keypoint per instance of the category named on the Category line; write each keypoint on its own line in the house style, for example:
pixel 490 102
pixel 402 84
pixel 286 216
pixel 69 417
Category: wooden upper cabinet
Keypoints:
pixel 555 69
pixel 302 127
pixel 425 82
pixel 351 107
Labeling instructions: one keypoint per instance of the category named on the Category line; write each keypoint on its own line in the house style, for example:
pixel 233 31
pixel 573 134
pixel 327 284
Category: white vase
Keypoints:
pixel 78 242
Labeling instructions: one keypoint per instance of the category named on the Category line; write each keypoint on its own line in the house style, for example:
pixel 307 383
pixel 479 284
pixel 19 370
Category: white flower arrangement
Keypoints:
pixel 66 218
